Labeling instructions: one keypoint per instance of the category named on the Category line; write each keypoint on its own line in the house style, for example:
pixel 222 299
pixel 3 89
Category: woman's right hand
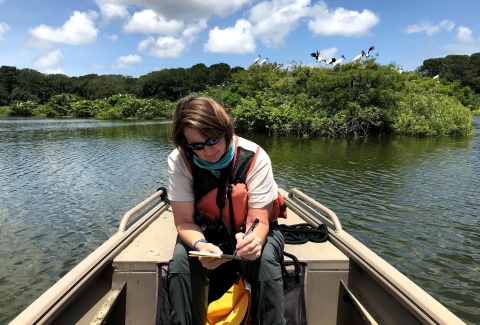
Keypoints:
pixel 208 262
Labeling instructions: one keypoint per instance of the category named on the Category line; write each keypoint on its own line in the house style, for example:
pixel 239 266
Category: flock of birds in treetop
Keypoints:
pixel 332 61
pixel 319 59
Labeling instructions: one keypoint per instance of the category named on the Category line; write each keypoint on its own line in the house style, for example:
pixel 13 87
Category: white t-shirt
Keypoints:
pixel 262 188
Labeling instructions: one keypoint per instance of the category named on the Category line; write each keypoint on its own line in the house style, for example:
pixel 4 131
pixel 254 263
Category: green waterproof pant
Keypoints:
pixel 189 283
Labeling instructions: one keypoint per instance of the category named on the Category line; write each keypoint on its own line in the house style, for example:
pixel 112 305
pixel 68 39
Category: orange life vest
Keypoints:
pixel 206 187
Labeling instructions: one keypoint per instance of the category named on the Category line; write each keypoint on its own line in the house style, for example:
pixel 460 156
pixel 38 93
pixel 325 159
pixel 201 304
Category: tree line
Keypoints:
pixel 24 85
pixel 463 68
pixel 353 98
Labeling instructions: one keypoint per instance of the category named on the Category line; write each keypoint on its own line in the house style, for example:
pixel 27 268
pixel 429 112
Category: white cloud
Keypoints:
pixel 113 37
pixel 464 34
pixel 237 39
pixel 274 20
pixel 4 28
pixel 428 27
pixel 193 29
pixel 127 61
pixel 447 24
pixel 96 66
pixel 329 53
pixel 112 10
pixel 163 47
pixel 146 44
pixel 170 46
pixel 148 22
pixel 341 21
pixel 181 9
pixel 78 30
pixel 50 62
pixel 54 71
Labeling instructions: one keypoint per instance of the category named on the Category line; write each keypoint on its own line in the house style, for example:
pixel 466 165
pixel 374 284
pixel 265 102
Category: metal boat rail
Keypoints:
pixel 161 192
pixel 300 207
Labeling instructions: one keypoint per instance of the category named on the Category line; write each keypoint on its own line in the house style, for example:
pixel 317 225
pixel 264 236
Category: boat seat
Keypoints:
pixel 155 246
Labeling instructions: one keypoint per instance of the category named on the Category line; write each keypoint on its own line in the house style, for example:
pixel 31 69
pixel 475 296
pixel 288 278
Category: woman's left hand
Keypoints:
pixel 211 263
pixel 249 247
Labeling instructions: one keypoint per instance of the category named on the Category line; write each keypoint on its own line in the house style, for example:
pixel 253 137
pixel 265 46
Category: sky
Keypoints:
pixel 135 37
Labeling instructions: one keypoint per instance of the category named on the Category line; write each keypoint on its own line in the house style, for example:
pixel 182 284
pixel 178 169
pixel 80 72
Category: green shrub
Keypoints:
pixel 45 111
pixel 82 108
pixel 128 103
pixel 5 111
pixel 355 99
pixel 113 113
pixel 60 105
pixel 435 114
pixel 22 108
pixel 154 109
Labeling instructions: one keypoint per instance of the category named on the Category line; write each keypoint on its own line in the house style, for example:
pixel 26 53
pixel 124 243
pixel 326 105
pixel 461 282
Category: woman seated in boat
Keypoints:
pixel 212 168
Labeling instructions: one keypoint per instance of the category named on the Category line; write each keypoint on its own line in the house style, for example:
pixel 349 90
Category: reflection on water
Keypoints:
pixel 64 185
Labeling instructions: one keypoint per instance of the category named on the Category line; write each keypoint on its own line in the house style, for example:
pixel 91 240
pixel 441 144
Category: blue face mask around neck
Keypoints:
pixel 216 167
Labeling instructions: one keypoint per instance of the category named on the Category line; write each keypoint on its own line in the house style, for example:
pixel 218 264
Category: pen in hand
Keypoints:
pixel 254 224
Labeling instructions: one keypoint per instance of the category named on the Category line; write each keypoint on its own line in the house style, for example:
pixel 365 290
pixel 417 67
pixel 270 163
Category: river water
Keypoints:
pixel 65 184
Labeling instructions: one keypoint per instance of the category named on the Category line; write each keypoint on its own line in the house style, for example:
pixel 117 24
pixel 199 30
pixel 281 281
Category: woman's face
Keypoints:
pixel 208 153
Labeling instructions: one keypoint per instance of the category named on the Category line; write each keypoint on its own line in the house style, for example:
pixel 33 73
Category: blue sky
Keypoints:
pixel 134 37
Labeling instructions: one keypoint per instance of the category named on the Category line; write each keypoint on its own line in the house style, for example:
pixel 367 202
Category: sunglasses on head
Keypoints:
pixel 201 145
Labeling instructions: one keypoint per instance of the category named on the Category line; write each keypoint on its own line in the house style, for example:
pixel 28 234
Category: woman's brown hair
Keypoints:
pixel 206 116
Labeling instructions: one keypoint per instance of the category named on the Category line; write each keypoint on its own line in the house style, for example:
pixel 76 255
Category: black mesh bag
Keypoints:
pixel 294 292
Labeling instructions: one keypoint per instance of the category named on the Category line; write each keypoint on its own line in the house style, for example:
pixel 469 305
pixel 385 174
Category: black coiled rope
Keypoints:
pixel 303 232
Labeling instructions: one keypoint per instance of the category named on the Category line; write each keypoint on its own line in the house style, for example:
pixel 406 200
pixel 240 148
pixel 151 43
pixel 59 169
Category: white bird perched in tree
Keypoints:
pixel 332 60
pixel 318 57
pixel 358 57
pixel 400 70
pixel 437 76
pixel 338 61
pixel 256 60
pixel 368 52
pixel 264 61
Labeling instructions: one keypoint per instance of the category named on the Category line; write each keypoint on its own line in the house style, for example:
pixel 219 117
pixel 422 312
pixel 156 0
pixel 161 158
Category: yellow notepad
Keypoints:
pixel 215 255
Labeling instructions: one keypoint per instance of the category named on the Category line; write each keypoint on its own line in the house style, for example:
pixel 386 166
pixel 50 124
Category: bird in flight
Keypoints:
pixel 318 57
pixel 368 52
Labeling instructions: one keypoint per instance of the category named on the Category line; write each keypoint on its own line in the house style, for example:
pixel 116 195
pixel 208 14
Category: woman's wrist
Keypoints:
pixel 201 240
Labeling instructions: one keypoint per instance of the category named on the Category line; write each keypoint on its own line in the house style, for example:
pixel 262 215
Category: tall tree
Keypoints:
pixel 220 73
pixel 60 84
pixel 198 76
pixel 8 78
